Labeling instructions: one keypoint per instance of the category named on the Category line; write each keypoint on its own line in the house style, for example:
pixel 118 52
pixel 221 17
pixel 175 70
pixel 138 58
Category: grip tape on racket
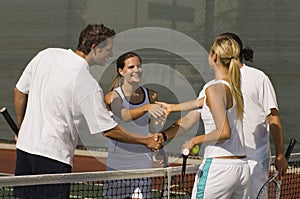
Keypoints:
pixel 290 148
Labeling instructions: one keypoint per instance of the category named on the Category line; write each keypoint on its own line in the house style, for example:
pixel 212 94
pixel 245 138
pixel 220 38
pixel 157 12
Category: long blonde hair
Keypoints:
pixel 228 51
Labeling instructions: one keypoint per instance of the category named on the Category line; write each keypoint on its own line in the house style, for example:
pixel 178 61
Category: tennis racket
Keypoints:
pixel 272 184
pixel 176 188
pixel 185 154
pixel 9 120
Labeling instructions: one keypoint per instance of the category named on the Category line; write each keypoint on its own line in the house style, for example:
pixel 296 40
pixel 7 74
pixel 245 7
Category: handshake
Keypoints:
pixel 158 115
pixel 155 141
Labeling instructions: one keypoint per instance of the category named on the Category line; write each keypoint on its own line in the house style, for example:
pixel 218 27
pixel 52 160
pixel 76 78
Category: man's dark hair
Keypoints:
pixel 94 34
pixel 245 53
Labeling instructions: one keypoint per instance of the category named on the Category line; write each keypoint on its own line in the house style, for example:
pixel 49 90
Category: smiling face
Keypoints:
pixel 132 71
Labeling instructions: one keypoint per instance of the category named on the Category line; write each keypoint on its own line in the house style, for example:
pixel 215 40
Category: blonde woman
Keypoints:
pixel 224 172
pixel 261 118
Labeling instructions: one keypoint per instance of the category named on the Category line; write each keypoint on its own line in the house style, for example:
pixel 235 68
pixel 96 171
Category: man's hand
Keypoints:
pixel 281 165
pixel 155 141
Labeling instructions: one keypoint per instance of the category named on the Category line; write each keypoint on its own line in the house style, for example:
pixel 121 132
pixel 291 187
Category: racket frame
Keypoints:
pixel 272 179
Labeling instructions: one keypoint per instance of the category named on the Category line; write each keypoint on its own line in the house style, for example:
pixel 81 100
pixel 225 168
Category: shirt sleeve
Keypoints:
pixel 89 103
pixel 267 96
pixel 24 82
pixel 97 117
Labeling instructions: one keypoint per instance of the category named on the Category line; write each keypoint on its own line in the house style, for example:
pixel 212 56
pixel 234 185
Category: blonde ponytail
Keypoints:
pixel 235 84
pixel 228 51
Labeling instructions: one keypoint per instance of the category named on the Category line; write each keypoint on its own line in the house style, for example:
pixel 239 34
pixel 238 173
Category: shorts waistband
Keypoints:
pixel 229 161
pixel 233 157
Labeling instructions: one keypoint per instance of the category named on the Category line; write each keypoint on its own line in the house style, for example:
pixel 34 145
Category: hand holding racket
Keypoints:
pixel 9 120
pixel 272 181
pixel 185 154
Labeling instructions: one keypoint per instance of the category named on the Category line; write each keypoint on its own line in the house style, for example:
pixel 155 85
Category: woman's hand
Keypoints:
pixel 167 107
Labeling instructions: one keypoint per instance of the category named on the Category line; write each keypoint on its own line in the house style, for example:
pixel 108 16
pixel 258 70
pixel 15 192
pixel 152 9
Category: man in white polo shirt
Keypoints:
pixel 54 93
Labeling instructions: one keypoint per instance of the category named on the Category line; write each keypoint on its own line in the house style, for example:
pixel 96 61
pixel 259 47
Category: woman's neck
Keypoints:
pixel 133 94
pixel 221 73
pixel 129 89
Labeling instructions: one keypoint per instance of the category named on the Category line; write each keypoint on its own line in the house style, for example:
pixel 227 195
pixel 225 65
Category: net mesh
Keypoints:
pixel 290 183
pixel 148 183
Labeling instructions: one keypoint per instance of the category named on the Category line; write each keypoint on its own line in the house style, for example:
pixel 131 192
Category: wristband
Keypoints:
pixel 164 136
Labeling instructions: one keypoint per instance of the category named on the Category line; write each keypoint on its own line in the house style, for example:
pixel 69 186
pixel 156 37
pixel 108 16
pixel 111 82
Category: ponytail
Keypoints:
pixel 115 83
pixel 228 51
pixel 235 84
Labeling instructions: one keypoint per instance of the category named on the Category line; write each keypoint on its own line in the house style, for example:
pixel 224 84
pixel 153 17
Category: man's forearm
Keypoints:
pixel 152 142
pixel 276 131
pixel 120 134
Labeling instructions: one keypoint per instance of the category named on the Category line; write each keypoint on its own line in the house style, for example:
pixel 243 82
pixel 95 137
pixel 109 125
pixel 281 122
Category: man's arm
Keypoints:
pixel 281 163
pixel 20 102
pixel 153 142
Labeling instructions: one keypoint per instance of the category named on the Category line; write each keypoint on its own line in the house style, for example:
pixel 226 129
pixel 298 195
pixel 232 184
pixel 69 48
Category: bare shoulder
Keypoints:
pixel 217 88
pixel 215 92
pixel 214 88
pixel 109 97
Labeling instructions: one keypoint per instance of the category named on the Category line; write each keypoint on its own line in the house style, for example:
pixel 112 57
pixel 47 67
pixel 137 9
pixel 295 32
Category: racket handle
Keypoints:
pixel 9 120
pixel 184 160
pixel 185 154
pixel 290 148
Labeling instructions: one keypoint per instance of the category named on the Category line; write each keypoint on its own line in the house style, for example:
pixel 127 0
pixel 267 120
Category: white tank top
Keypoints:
pixel 139 126
pixel 235 145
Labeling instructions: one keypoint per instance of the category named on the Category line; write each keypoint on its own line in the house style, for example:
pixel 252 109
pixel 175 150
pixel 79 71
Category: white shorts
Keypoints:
pixel 259 172
pixel 222 178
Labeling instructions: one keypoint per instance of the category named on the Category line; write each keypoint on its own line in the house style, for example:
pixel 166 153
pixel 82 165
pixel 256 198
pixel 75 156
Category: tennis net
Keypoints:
pixel 290 183
pixel 153 183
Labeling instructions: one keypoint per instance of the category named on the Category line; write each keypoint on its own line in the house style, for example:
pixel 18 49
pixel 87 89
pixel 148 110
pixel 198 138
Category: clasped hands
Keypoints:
pixel 158 112
pixel 155 141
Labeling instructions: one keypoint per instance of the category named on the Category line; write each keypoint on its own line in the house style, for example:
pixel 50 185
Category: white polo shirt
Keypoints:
pixel 61 90
pixel 259 97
